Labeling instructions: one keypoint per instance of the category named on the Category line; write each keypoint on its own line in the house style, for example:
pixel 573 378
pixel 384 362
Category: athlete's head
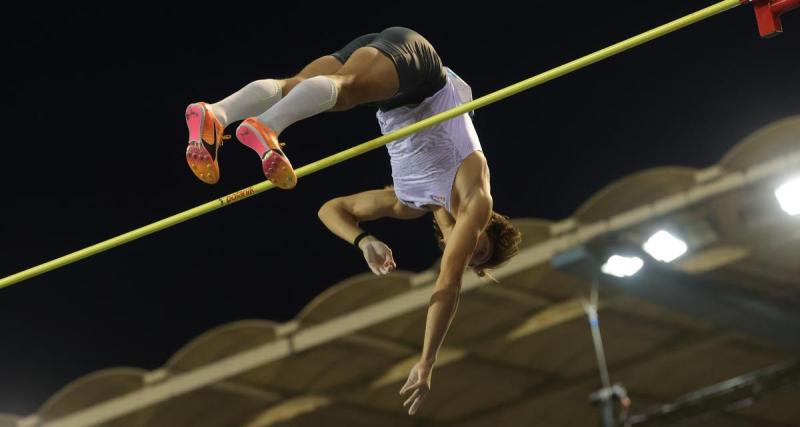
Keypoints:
pixel 497 244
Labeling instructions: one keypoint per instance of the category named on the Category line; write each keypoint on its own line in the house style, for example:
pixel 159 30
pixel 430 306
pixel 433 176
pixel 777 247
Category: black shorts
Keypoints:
pixel 418 66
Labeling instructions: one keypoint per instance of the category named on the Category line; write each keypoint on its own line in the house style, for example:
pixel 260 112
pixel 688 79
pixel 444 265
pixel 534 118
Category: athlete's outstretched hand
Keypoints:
pixel 417 386
pixel 378 255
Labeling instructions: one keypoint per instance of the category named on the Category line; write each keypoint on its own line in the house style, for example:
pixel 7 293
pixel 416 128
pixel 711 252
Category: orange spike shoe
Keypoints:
pixel 205 133
pixel 264 141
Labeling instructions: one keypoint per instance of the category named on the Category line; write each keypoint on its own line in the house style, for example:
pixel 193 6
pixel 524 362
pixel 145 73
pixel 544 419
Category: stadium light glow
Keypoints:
pixel 788 196
pixel 664 247
pixel 621 266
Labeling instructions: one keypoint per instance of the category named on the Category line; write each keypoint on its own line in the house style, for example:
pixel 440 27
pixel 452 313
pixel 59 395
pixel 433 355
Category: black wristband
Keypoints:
pixel 358 239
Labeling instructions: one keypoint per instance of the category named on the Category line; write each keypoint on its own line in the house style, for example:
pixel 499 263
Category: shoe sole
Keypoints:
pixel 275 166
pixel 204 166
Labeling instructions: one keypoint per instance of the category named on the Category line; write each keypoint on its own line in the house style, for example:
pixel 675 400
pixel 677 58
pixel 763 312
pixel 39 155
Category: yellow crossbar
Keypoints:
pixel 377 142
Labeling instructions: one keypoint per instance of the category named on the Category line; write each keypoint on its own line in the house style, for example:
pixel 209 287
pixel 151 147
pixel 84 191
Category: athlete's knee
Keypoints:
pixel 288 84
pixel 350 91
pixel 346 90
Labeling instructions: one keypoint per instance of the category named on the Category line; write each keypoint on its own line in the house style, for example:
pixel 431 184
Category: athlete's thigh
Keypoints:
pixel 370 75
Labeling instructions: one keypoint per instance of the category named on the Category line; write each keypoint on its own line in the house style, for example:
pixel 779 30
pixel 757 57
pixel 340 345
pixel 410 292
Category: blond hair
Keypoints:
pixel 505 239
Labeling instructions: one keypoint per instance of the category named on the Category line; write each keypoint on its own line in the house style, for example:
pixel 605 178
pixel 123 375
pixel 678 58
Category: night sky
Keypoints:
pixel 95 138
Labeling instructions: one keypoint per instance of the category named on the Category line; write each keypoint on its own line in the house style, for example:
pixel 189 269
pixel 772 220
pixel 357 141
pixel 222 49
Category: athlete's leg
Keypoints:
pixel 254 98
pixel 367 76
pixel 207 122
pixel 258 96
pixel 327 64
pixel 394 67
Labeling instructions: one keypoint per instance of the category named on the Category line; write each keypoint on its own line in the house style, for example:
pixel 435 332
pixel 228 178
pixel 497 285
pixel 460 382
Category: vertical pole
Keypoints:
pixel 604 398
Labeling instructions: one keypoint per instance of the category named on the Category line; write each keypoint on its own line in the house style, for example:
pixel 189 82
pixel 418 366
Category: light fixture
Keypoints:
pixel 664 247
pixel 621 266
pixel 788 196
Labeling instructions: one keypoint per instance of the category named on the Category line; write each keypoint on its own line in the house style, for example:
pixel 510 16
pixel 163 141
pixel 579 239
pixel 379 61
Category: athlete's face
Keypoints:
pixel 483 250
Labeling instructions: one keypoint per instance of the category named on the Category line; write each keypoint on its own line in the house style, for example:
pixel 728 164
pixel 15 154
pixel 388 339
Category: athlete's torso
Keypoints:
pixel 425 164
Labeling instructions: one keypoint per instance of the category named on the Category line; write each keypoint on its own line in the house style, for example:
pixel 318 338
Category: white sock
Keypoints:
pixel 249 101
pixel 309 98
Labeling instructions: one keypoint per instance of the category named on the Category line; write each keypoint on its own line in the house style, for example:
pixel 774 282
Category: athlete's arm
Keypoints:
pixel 343 214
pixel 461 244
pixel 473 216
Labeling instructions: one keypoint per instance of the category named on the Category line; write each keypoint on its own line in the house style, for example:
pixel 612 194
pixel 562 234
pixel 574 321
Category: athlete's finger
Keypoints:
pixel 415 406
pixel 409 382
pixel 411 399
pixel 412 387
pixel 374 269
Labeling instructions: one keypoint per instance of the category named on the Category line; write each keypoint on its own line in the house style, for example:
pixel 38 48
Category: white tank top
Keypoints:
pixel 424 164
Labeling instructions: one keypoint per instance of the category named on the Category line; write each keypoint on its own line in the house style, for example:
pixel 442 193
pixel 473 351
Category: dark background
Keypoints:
pixel 94 140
